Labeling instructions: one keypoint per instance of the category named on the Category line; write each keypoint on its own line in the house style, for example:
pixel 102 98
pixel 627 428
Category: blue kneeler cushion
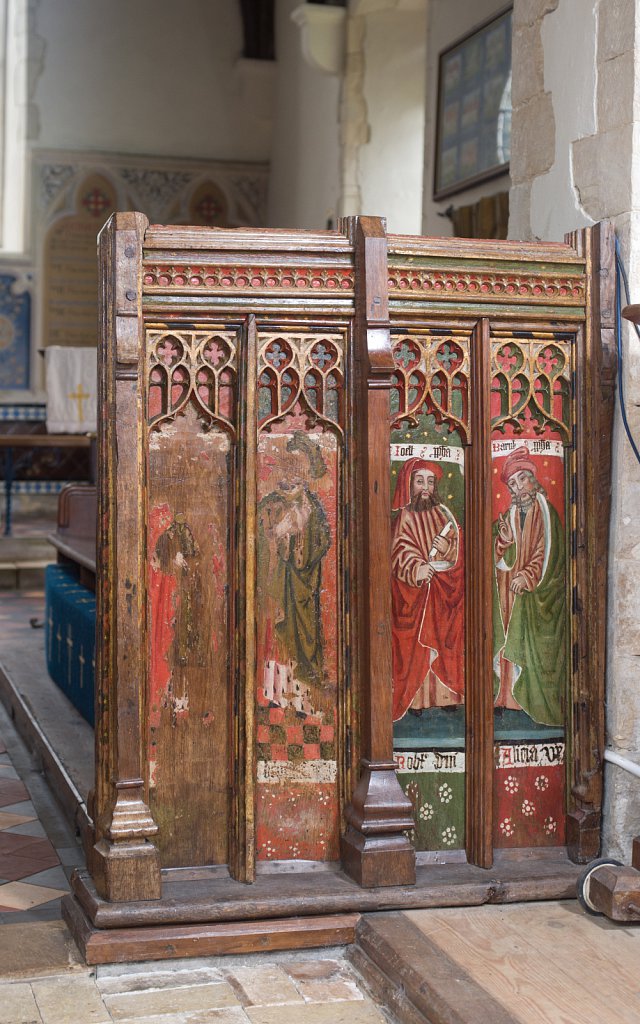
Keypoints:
pixel 70 628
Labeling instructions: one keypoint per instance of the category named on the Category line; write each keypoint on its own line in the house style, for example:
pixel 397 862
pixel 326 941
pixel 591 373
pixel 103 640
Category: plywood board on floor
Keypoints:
pixel 542 961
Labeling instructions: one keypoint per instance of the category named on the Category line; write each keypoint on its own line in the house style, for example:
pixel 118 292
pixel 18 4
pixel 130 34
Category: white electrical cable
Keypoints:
pixel 622 762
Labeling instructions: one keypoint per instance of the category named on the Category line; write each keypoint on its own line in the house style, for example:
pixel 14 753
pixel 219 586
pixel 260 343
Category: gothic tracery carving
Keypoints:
pixel 531 381
pixel 432 376
pixel 192 365
pixel 303 370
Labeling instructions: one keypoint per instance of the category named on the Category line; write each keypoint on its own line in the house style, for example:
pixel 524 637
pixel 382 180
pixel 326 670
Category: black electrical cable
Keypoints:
pixel 621 277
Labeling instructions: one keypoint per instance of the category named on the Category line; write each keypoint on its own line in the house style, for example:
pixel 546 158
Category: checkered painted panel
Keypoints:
pixel 285 735
pixel 34 413
pixel 38 486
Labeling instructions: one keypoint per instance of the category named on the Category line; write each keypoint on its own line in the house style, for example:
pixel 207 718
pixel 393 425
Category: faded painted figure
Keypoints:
pixel 529 597
pixel 294 539
pixel 177 557
pixel 427 594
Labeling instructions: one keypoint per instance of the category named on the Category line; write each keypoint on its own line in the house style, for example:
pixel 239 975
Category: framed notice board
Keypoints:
pixel 473 131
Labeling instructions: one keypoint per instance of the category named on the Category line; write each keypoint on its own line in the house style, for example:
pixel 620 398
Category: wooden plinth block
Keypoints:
pixel 616 892
pixel 168 942
pixel 583 835
pixel 126 871
pixel 374 850
pixel 378 860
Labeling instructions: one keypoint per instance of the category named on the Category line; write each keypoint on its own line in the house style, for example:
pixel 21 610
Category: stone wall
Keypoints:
pixel 575 153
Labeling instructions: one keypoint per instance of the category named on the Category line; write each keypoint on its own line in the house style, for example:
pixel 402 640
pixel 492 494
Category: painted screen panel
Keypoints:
pixel 531 429
pixel 429 407
pixel 192 379
pixel 300 389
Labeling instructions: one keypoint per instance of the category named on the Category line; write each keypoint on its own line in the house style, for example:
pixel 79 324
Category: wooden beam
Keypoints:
pixel 126 945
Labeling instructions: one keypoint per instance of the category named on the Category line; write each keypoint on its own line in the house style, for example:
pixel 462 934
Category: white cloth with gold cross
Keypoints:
pixel 71 382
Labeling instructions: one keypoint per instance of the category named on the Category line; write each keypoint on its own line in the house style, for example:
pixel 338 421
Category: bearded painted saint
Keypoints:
pixel 294 539
pixel 427 588
pixel 529 618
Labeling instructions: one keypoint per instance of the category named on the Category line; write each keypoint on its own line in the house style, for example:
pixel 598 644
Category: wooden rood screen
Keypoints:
pixel 353 530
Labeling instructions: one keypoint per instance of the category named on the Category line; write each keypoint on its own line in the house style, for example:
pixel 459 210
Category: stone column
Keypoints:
pixel 575 155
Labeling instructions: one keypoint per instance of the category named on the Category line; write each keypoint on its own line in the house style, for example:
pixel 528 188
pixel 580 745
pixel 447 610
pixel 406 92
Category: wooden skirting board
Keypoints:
pixel 201 913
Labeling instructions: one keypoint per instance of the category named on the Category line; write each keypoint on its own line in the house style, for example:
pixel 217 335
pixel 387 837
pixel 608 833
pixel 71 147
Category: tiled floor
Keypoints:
pixel 34 873
pixel 38 849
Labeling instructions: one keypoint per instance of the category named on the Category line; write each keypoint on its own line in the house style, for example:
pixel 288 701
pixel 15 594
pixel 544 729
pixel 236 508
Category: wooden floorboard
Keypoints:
pixel 541 962
pixel 419 980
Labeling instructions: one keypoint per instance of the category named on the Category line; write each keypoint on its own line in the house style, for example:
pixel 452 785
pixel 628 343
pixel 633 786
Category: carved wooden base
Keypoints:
pixel 615 891
pixel 378 860
pixel 126 871
pixel 374 850
pixel 583 835
pixel 203 911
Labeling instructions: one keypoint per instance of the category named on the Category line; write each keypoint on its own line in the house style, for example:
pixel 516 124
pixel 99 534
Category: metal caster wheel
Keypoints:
pixel 582 885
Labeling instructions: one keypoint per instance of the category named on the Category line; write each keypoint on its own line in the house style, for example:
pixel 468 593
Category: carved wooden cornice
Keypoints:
pixel 225 278
pixel 454 285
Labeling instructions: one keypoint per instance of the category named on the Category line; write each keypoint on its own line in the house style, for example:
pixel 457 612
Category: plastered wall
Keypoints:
pixel 149 77
pixel 305 155
pixel 351 143
pixel 576 160
pixel 390 163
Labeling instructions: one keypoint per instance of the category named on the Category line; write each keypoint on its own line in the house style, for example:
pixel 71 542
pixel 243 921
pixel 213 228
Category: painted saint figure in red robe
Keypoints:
pixel 427 594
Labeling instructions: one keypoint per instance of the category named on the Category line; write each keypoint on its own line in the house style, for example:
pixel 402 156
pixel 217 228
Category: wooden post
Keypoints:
pixel 478 604
pixel 124 862
pixel 374 849
pixel 595 390
pixel 242 861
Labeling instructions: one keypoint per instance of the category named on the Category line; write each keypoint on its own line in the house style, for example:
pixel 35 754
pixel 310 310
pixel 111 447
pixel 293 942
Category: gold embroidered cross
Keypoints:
pixel 79 396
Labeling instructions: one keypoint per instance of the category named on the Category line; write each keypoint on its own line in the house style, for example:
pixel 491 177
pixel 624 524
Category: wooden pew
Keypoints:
pixel 70 615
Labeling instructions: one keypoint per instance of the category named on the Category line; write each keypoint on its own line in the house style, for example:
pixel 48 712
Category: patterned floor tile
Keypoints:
pixel 11 820
pixel 10 843
pixel 22 807
pixel 53 878
pixel 11 791
pixel 30 846
pixel 16 868
pixel 22 896
pixel 29 828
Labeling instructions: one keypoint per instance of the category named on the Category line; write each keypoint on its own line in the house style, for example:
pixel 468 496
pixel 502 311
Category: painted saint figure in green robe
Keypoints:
pixel 294 537
pixel 530 612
